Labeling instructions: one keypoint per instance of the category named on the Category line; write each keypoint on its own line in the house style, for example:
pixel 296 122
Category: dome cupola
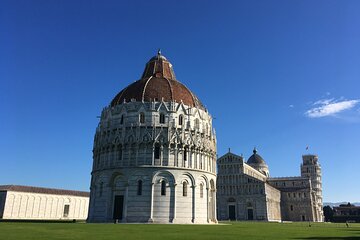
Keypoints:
pixel 158 83
pixel 257 162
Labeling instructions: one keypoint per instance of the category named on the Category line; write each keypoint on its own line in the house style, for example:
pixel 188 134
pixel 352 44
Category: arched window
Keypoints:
pixel 122 119
pixel 163 188
pixel 291 208
pixel 185 189
pixel 139 187
pixel 181 118
pixel 201 190
pixel 142 117
pixel 185 154
pixel 162 118
pixel 197 124
pixel 157 152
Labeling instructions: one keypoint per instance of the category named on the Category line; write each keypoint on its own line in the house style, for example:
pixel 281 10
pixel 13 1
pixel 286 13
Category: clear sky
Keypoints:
pixel 278 75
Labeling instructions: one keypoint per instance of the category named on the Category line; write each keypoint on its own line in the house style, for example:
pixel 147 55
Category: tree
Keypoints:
pixel 328 213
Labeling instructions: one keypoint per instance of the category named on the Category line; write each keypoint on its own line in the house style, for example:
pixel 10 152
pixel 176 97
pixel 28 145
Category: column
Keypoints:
pixel 193 204
pixel 168 155
pixel 161 154
pixel 207 205
pixel 174 218
pixel 136 154
pixel 214 207
pixel 152 156
pixel 151 203
pixel 122 156
pixel 176 157
pixel 125 203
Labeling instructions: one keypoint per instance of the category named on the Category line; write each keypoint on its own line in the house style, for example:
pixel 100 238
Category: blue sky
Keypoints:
pixel 278 75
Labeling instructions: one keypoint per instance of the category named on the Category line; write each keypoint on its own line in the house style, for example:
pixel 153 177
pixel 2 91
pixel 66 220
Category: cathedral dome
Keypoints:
pixel 255 159
pixel 158 83
pixel 257 162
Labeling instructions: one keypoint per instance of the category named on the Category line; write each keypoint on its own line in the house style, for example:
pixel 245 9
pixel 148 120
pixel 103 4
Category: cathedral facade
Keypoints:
pixel 245 191
pixel 154 155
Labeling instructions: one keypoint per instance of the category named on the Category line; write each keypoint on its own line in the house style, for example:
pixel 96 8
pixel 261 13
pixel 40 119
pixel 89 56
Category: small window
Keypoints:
pixel 197 124
pixel 181 119
pixel 294 195
pixel 185 189
pixel 162 118
pixel 291 208
pixel 201 190
pixel 142 117
pixel 66 210
pixel 139 187
pixel 122 119
pixel 163 188
pixel 185 154
pixel 304 195
pixel 157 152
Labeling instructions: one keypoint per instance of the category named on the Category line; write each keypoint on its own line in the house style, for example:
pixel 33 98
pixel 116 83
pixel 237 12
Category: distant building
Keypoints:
pixel 245 191
pixel 346 212
pixel 36 203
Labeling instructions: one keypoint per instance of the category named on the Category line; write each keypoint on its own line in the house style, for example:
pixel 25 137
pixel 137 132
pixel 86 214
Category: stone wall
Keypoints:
pixel 21 205
pixel 273 198
pixel 155 143
pixel 189 196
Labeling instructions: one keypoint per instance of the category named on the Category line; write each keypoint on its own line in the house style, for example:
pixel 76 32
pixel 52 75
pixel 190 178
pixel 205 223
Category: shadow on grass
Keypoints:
pixel 331 238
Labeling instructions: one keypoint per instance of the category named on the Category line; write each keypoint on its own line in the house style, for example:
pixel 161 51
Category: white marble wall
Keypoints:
pixel 151 206
pixel 23 205
pixel 124 153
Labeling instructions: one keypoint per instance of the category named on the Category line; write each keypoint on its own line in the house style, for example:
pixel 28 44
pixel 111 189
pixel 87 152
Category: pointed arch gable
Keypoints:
pixel 162 107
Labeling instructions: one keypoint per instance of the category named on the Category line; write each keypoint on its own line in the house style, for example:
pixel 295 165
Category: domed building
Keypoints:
pixel 245 190
pixel 154 155
pixel 258 163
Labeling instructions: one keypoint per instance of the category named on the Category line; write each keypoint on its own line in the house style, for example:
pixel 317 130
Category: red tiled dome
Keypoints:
pixel 157 83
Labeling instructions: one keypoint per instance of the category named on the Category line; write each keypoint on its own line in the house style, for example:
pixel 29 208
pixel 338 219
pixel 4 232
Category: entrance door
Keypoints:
pixel 232 212
pixel 250 214
pixel 118 207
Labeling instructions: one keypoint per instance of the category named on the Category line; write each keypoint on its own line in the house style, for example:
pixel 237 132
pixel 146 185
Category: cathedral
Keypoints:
pixel 245 190
pixel 154 154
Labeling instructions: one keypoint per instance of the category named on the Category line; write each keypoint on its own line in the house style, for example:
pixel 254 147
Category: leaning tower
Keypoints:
pixel 312 169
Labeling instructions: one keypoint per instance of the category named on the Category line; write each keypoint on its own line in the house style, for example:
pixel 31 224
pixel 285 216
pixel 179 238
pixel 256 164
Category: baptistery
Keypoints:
pixel 154 154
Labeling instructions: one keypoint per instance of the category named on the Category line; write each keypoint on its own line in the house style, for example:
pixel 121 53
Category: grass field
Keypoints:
pixel 225 230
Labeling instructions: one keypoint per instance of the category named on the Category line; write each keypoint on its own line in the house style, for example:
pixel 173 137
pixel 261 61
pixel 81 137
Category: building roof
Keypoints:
pixel 30 189
pixel 158 83
pixel 255 159
pixel 293 178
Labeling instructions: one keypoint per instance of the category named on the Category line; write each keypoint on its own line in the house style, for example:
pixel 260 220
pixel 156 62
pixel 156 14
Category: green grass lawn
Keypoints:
pixel 225 230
